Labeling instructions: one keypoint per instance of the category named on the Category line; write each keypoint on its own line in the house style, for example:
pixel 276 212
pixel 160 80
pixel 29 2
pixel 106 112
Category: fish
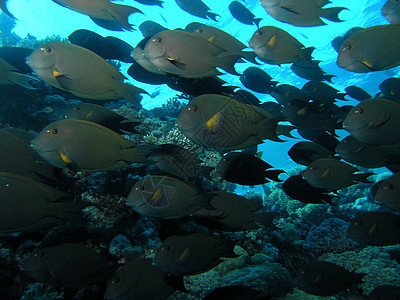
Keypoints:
pixel 166 197
pixel 322 92
pixel 257 80
pixel 65 66
pixel 234 213
pixel 151 2
pixel 220 38
pixel 357 93
pixel 390 89
pixel 385 291
pixel 272 107
pixel 299 189
pixel 11 75
pixel 374 121
pixel 276 46
pixel 387 194
pixel 140 279
pixel 150 28
pixel 226 124
pixel 104 13
pixel 243 14
pixel 305 152
pixel 4 9
pixel 42 209
pixel 332 174
pixel 178 161
pixel 187 55
pixel 375 228
pixel 102 116
pixel 197 8
pixel 310 70
pixel 192 254
pixel 284 93
pixel 305 14
pixel 246 169
pixel 26 136
pixel 245 97
pixel 322 138
pixel 391 11
pixel 16 56
pixel 86 146
pixel 338 41
pixel 68 265
pixel 323 278
pixel 371 49
pixel 108 47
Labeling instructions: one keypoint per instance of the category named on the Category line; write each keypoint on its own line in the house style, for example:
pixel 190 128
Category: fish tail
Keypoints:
pixel 328 77
pixel 285 130
pixel 22 79
pixel 274 174
pixel 138 154
pixel 122 12
pixel 267 218
pixel 363 177
pixel 250 56
pixel 332 13
pixel 257 22
pixel 4 8
pixel 328 198
pixel 307 53
pixel 227 60
pixel 205 172
pixel 129 126
pixel 130 92
pixel 69 211
pixel 212 16
pixel 268 129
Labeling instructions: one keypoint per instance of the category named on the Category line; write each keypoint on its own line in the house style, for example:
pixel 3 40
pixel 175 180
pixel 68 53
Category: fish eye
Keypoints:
pixel 195 108
pixel 54 131
pixel 48 50
pixel 158 40
pixel 140 188
pixel 39 254
pixel 313 168
pixel 359 111
pixel 347 47
pixel 116 280
pixel 199 30
pixel 389 187
pixel 166 248
pixel 358 223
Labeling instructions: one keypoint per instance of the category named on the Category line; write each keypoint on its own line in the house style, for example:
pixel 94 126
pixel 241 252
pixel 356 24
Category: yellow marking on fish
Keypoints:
pixel 367 63
pixel 325 174
pixel 172 59
pixel 302 111
pixel 184 254
pixel 156 195
pixel 372 230
pixel 214 121
pixel 57 74
pixel 89 115
pixel 287 94
pixel 287 6
pixel 318 278
pixel 65 158
pixel 212 38
pixel 220 213
pixel 272 41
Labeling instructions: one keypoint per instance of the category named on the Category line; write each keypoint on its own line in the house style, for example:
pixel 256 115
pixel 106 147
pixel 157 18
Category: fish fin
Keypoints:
pixel 250 56
pixel 257 21
pixel 69 211
pixel 359 149
pixel 176 281
pixel 214 122
pixel 64 81
pixel 272 41
pixel 212 38
pixel 274 174
pixel 363 177
pixel 285 130
pixel 268 129
pixel 121 13
pixel 383 118
pixel 205 172
pixel 129 92
pixel 307 53
pixel 290 9
pixel 259 154
pixel 156 195
pixel 227 60
pixel 212 16
pixel 328 198
pixel 108 24
pixel 176 63
pixel 372 230
pixel 129 127
pixel 325 173
pixel 369 65
pixel 3 7
pixel 65 158
pixel 302 111
pixel 332 13
pixel 317 278
pixel 328 77
pixel 22 79
pixel 267 218
pixel 185 254
pixel 138 154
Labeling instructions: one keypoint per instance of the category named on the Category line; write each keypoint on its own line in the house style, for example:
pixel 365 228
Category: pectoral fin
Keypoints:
pixel 176 63
pixel 289 8
pixel 63 80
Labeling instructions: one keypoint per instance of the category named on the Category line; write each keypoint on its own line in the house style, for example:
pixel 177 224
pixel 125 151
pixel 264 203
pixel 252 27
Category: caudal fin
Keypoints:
pixel 22 79
pixel 227 60
pixel 3 7
pixel 332 13
pixel 212 16
pixel 121 13
pixel 250 56
pixel 267 218
pixel 363 177
pixel 69 211
pixel 130 92
pixel 138 154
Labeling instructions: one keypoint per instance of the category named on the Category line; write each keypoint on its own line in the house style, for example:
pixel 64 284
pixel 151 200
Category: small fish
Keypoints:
pixel 388 192
pixel 375 228
pixel 104 13
pixel 390 88
pixel 41 209
pixel 150 28
pixel 102 116
pixel 226 124
pixel 323 278
pixel 322 92
pixel 304 14
pixel 234 213
pixel 11 75
pixel 80 71
pixel 332 174
pixel 197 8
pixel 374 121
pixel 305 153
pixel 357 93
pixel 246 169
pixel 310 70
pixel 391 11
pixel 166 197
pixel 276 46
pixel 243 14
pixel 192 254
pixel 86 146
pixel 299 189
pixel 140 279
pixel 371 49
pixel 257 80
pixel 68 265
pixel 151 2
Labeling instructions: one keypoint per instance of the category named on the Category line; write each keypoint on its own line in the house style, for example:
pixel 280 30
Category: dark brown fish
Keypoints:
pixel 391 11
pixel 332 174
pixel 246 169
pixel 226 124
pixel 324 278
pixel 357 93
pixel 11 75
pixel 192 254
pixel 102 116
pixel 375 228
pixel 371 49
pixel 68 265
pixel 388 192
pixel 307 13
pixel 374 121
pixel 322 92
pixel 243 14
pixel 234 213
pixel 40 210
pixel 86 146
pixel 141 280
pixel 257 80
pixel 166 197
pixel 310 70
pixel 276 46
pixel 80 71
pixel 104 13
pixel 305 153
pixel 390 88
pixel 197 8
